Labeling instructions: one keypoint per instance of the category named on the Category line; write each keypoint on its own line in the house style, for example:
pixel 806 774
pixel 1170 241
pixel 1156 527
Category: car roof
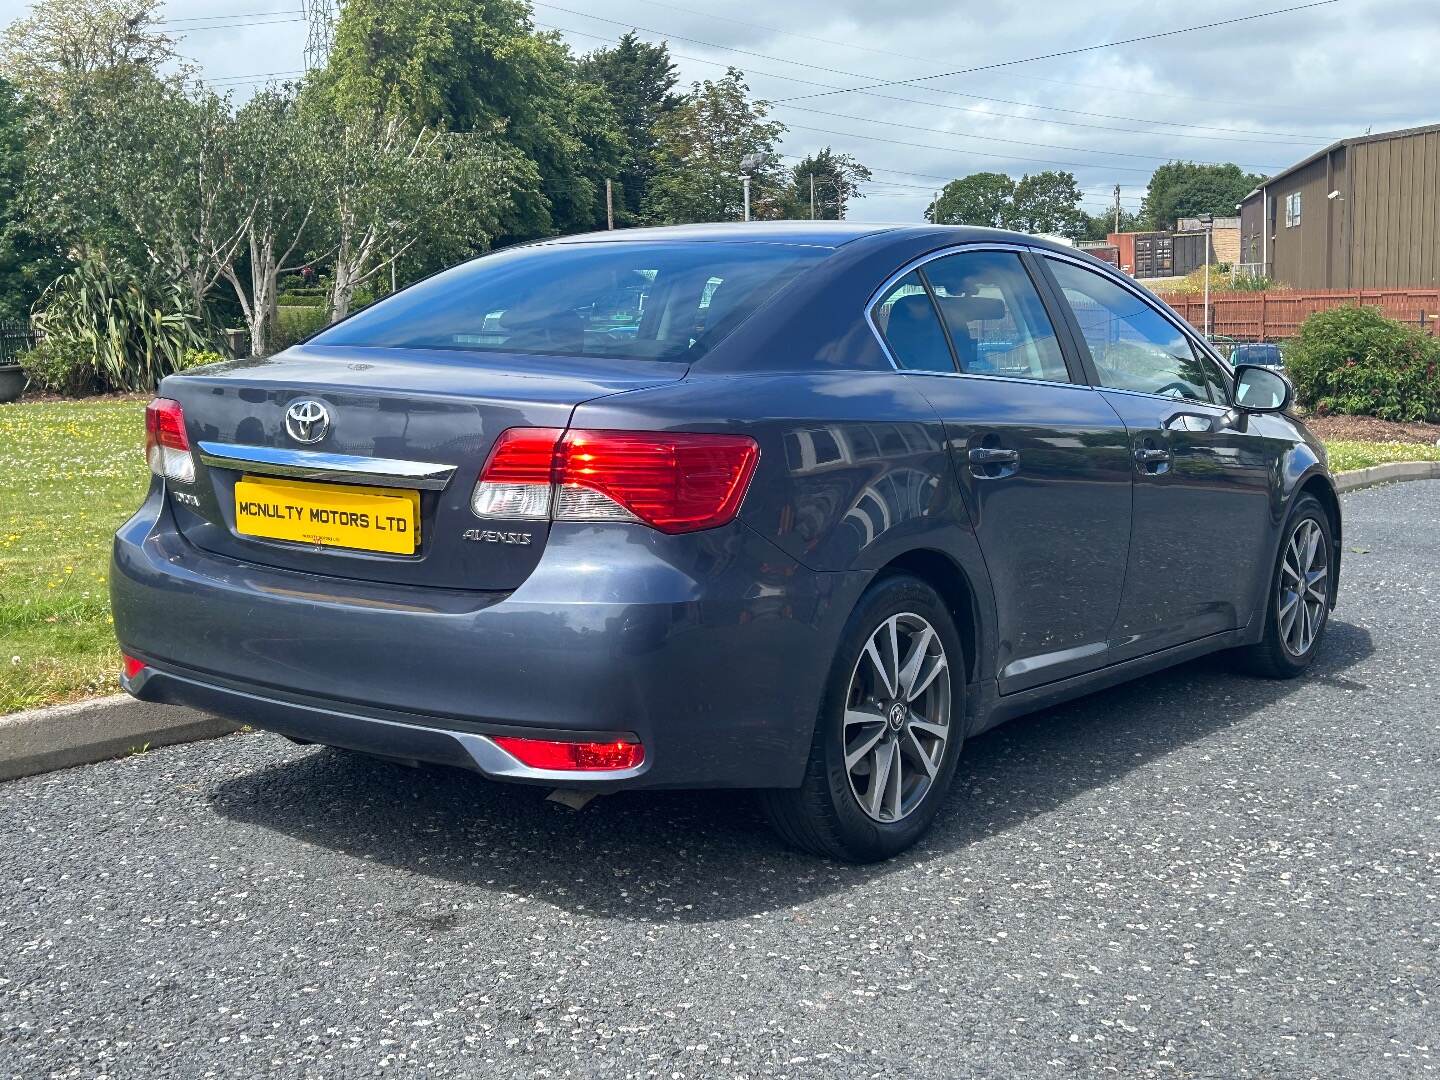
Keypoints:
pixel 814 233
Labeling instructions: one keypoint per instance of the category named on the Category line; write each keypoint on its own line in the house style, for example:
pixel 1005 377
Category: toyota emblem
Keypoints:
pixel 307 420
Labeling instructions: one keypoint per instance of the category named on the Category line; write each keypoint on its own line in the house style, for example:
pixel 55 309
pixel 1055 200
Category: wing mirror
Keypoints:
pixel 1262 389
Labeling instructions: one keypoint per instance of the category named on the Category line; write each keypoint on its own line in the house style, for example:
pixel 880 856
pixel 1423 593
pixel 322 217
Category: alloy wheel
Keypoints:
pixel 897 717
pixel 1304 592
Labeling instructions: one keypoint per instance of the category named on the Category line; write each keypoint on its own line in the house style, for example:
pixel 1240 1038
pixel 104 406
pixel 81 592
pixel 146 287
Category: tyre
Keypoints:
pixel 889 730
pixel 1298 603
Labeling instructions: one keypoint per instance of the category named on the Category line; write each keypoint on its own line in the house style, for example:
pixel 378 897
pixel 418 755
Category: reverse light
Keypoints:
pixel 572 756
pixel 167 448
pixel 676 482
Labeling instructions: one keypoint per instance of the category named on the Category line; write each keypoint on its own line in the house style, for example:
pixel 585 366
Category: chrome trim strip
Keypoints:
pixel 316 465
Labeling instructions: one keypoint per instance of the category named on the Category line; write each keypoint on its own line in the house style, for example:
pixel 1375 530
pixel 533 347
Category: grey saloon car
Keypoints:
pixel 796 507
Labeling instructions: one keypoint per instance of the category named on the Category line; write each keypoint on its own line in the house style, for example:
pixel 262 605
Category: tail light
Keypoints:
pixel 674 482
pixel 131 665
pixel 571 756
pixel 167 448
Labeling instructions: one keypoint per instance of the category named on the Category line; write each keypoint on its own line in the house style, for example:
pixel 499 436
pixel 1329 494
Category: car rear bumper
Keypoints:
pixel 710 649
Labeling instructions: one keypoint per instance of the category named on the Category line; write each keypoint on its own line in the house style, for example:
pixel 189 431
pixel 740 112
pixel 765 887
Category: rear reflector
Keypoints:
pixel 571 756
pixel 132 666
pixel 676 482
pixel 167 448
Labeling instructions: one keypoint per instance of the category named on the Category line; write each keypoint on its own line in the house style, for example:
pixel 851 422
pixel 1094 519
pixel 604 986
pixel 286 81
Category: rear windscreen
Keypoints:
pixel 633 300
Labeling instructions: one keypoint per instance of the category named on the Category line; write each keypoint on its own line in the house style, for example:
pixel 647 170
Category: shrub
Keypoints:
pixel 199 358
pixel 1354 360
pixel 59 367
pixel 295 323
pixel 1222 279
pixel 132 332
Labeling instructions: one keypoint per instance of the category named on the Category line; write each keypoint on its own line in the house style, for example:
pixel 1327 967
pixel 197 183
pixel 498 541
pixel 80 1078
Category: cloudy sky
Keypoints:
pixel 1262 93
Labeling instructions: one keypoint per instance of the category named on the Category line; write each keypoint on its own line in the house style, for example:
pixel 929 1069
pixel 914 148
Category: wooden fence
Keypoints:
pixel 1275 316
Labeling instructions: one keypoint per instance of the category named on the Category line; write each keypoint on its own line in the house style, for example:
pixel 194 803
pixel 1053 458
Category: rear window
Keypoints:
pixel 632 300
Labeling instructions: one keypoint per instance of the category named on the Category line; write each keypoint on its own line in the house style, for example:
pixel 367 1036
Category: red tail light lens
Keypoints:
pixel 573 756
pixel 167 448
pixel 132 666
pixel 674 482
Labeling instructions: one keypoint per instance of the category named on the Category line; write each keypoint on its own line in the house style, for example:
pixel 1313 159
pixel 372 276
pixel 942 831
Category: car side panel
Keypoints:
pixel 853 473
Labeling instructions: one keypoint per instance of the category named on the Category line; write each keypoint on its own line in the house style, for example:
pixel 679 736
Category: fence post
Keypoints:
pixel 1263 297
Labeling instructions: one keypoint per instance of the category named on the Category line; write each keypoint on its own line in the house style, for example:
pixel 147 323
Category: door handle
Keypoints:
pixel 993 455
pixel 1147 456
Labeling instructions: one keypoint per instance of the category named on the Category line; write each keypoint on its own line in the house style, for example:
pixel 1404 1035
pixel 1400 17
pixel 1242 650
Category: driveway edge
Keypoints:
pixel 41 740
pixel 1389 473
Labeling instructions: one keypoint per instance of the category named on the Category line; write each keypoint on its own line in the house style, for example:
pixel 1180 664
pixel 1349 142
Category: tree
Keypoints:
pixel 1100 226
pixel 1047 202
pixel 698 153
pixel 1184 189
pixel 68 42
pixel 279 159
pixel 837 179
pixel 388 191
pixel 978 199
pixel 480 67
pixel 27 262
pixel 638 80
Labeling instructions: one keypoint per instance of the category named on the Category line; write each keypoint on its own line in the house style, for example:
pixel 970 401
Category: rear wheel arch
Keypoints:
pixel 949 580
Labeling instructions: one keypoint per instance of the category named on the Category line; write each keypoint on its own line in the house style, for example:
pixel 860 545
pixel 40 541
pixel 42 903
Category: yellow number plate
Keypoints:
pixel 336 515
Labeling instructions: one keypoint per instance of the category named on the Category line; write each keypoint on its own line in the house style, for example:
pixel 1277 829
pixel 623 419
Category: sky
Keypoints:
pixel 1263 93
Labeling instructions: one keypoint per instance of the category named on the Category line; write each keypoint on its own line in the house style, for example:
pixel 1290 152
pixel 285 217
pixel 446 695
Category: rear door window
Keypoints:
pixel 996 319
pixel 626 299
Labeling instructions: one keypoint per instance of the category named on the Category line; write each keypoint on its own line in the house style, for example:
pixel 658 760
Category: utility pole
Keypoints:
pixel 1208 220
pixel 609 205
pixel 812 196
pixel 1117 208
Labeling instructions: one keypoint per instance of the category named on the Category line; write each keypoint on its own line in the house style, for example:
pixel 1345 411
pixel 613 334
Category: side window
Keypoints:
pixel 995 316
pixel 1132 345
pixel 907 319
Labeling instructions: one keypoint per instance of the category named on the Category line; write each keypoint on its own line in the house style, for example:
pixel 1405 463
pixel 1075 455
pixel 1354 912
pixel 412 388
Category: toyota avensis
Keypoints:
pixel 793 507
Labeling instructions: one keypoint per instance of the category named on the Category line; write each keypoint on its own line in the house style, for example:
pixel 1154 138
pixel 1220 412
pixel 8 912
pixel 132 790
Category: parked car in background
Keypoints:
pixel 837 499
pixel 1264 354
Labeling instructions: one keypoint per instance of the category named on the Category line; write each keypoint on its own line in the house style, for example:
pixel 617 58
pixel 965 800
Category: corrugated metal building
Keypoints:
pixel 1363 213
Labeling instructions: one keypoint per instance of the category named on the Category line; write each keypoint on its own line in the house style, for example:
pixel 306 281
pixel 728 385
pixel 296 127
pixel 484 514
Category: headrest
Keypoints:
pixel 968 309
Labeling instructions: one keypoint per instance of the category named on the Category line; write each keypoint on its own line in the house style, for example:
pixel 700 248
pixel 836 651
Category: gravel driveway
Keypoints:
pixel 1200 874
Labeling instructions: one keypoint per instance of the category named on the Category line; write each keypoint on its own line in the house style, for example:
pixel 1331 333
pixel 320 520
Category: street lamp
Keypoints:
pixel 751 163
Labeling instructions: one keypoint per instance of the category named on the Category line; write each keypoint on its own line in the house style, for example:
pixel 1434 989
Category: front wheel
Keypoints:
pixel 889 730
pixel 1298 603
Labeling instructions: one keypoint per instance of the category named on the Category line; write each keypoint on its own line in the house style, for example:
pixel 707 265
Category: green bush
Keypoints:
pixel 1354 360
pixel 59 367
pixel 295 323
pixel 132 332
pixel 199 358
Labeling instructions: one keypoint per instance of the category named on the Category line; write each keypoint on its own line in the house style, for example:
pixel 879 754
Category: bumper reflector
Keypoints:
pixel 133 667
pixel 571 756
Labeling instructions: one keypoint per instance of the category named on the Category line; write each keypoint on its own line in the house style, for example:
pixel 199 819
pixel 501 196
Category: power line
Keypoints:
pixel 952 150
pixel 1081 49
pixel 931 61
pixel 1016 142
pixel 1295 137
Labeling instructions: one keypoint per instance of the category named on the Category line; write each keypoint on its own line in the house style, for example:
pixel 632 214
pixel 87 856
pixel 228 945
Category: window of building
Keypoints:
pixel 1292 209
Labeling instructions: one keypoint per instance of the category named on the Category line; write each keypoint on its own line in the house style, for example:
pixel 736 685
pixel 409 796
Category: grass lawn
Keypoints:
pixel 71 472
pixel 1347 454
